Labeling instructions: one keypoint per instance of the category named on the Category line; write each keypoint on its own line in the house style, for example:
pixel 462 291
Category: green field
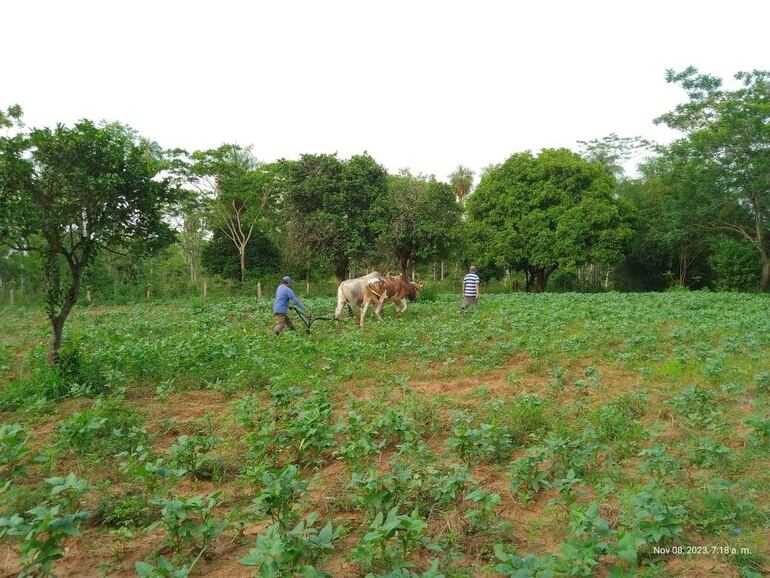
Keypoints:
pixel 540 435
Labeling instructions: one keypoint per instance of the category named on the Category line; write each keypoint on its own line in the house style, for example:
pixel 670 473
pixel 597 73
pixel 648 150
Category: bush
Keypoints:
pixel 736 266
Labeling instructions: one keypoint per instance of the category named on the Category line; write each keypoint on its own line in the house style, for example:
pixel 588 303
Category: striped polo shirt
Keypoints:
pixel 469 284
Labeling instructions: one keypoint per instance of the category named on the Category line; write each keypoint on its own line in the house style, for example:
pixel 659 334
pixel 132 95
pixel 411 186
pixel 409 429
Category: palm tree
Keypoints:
pixel 461 181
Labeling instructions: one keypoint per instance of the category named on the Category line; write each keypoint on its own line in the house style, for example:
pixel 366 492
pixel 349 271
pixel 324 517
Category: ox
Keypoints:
pixel 396 290
pixel 361 292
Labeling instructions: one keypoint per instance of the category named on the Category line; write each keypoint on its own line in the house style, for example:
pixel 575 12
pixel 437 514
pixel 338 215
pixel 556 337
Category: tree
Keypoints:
pixel 219 256
pixel 422 216
pixel 239 191
pixel 727 137
pixel 334 207
pixel 537 213
pixel 461 181
pixel 613 151
pixel 68 193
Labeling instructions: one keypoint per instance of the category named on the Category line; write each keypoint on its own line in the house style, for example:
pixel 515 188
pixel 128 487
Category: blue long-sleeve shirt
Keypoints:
pixel 284 295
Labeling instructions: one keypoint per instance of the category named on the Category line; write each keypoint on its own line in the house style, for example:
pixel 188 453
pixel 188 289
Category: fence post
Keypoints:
pixel 259 290
pixel 205 289
pixel 307 284
pixel 11 297
pixel 88 296
pixel 148 293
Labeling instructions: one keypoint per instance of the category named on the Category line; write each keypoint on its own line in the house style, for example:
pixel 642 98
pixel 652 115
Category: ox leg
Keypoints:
pixel 378 309
pixel 363 312
pixel 338 311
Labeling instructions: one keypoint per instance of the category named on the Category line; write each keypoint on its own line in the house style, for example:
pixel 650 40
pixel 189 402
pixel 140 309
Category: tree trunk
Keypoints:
pixel 57 325
pixel 539 278
pixel 442 269
pixel 404 264
pixel 340 271
pixel 242 252
pixel 764 281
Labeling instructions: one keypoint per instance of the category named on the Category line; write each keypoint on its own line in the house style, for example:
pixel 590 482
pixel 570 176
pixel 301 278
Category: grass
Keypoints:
pixel 606 424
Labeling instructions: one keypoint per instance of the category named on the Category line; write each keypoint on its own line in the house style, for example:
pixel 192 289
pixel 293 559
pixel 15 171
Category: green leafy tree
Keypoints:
pixel 334 206
pixel 422 217
pixel 727 137
pixel 68 193
pixel 537 213
pixel 240 193
pixel 221 257
pixel 672 218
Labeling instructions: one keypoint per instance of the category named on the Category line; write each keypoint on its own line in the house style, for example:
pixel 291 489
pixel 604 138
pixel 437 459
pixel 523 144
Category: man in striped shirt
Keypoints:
pixel 470 289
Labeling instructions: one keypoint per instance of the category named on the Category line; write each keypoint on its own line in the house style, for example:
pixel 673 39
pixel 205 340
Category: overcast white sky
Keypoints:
pixel 418 84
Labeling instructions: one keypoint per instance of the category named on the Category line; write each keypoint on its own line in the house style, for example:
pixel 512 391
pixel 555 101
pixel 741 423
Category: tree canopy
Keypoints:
pixel 726 142
pixel 335 206
pixel 537 213
pixel 422 215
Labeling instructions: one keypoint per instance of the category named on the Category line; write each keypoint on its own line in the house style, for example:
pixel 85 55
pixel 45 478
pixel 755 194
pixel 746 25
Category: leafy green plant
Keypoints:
pixel 162 568
pixel 487 441
pixel 511 564
pixel 42 532
pixel 760 436
pixel 652 518
pixel 286 553
pixel 191 453
pixel 528 477
pixel 13 450
pixel 156 474
pixel 484 517
pixel 68 490
pixel 391 539
pixel 124 511
pixel 190 521
pixel 697 405
pixel 279 493
pixel 763 381
pixel 657 461
pixel 105 429
pixel 711 454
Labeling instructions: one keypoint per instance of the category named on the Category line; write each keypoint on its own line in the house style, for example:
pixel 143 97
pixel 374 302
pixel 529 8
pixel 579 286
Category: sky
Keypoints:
pixel 419 84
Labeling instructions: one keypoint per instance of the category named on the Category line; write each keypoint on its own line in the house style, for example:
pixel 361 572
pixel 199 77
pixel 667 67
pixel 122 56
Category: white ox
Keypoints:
pixel 361 292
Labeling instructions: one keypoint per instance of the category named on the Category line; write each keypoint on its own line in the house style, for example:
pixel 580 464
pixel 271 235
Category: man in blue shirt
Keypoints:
pixel 283 296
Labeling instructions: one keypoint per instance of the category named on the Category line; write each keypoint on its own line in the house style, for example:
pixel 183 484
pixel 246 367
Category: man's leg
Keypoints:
pixel 280 323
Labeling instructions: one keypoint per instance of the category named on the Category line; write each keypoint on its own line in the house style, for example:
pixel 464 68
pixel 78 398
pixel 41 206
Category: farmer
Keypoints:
pixel 470 289
pixel 284 295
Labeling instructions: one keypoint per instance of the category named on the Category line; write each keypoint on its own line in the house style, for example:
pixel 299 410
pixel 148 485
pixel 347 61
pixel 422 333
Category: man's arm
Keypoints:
pixel 293 298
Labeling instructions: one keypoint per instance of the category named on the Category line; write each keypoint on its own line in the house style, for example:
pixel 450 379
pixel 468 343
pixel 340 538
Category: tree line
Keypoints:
pixel 94 205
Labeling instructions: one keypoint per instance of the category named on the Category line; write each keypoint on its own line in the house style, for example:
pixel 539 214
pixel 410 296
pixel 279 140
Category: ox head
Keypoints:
pixel 412 290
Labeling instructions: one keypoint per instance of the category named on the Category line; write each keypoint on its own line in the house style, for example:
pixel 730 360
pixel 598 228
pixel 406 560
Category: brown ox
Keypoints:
pixel 396 290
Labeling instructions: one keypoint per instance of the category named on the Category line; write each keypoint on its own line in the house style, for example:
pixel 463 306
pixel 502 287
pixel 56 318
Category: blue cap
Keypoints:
pixel 286 279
